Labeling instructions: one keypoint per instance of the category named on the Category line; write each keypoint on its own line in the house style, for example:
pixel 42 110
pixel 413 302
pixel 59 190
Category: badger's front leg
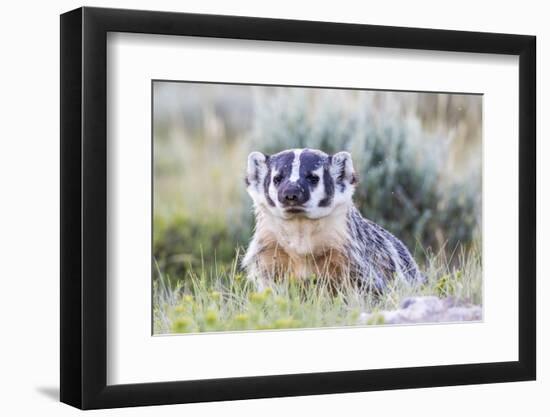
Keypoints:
pixel 251 265
pixel 265 261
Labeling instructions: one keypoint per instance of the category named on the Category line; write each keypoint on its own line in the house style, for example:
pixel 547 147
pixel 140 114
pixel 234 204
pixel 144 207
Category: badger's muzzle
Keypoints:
pixel 292 195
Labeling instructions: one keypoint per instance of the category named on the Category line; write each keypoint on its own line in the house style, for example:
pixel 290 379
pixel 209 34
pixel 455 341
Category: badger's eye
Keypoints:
pixel 277 179
pixel 312 178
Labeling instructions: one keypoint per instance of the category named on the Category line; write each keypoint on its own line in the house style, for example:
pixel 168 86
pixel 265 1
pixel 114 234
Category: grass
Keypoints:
pixel 222 299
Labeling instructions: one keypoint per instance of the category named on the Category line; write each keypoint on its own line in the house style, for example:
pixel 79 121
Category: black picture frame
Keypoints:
pixel 84 207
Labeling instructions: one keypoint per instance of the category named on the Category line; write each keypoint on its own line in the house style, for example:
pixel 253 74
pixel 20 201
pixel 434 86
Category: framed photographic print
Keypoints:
pixel 257 207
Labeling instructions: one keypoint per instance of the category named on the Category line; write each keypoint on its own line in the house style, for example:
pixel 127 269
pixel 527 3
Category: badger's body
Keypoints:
pixel 306 224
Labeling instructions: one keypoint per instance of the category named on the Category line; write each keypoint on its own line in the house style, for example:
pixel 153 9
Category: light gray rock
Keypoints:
pixel 425 310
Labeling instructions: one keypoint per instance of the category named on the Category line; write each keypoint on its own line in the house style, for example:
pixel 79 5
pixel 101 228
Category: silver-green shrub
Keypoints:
pixel 404 180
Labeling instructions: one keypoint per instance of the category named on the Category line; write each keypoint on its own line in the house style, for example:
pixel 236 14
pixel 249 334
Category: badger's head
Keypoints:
pixel 300 182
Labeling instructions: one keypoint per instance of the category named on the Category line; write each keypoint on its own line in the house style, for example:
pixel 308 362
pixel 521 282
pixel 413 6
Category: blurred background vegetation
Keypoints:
pixel 418 156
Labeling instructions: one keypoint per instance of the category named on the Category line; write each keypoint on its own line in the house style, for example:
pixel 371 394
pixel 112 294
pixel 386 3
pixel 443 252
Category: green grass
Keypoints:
pixel 222 299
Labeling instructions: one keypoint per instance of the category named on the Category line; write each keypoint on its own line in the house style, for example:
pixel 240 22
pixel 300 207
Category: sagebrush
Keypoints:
pixel 409 179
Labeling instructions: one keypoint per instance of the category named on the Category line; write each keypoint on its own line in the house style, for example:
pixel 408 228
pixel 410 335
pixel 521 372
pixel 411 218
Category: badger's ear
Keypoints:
pixel 341 168
pixel 256 168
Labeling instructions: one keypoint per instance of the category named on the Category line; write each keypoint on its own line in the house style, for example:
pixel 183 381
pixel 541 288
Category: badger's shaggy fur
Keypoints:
pixel 306 224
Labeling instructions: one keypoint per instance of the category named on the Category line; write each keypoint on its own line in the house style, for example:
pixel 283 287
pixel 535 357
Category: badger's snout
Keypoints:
pixel 293 194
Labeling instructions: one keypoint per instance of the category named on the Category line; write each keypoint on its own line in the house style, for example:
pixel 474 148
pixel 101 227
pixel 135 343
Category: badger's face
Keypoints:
pixel 300 182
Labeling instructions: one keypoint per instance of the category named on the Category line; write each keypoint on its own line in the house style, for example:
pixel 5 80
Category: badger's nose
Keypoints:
pixel 292 195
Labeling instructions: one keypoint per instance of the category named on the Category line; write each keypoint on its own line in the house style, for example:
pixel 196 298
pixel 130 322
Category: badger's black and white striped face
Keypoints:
pixel 300 182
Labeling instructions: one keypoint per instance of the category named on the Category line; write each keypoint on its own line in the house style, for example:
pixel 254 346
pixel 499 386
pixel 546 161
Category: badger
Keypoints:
pixel 306 224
